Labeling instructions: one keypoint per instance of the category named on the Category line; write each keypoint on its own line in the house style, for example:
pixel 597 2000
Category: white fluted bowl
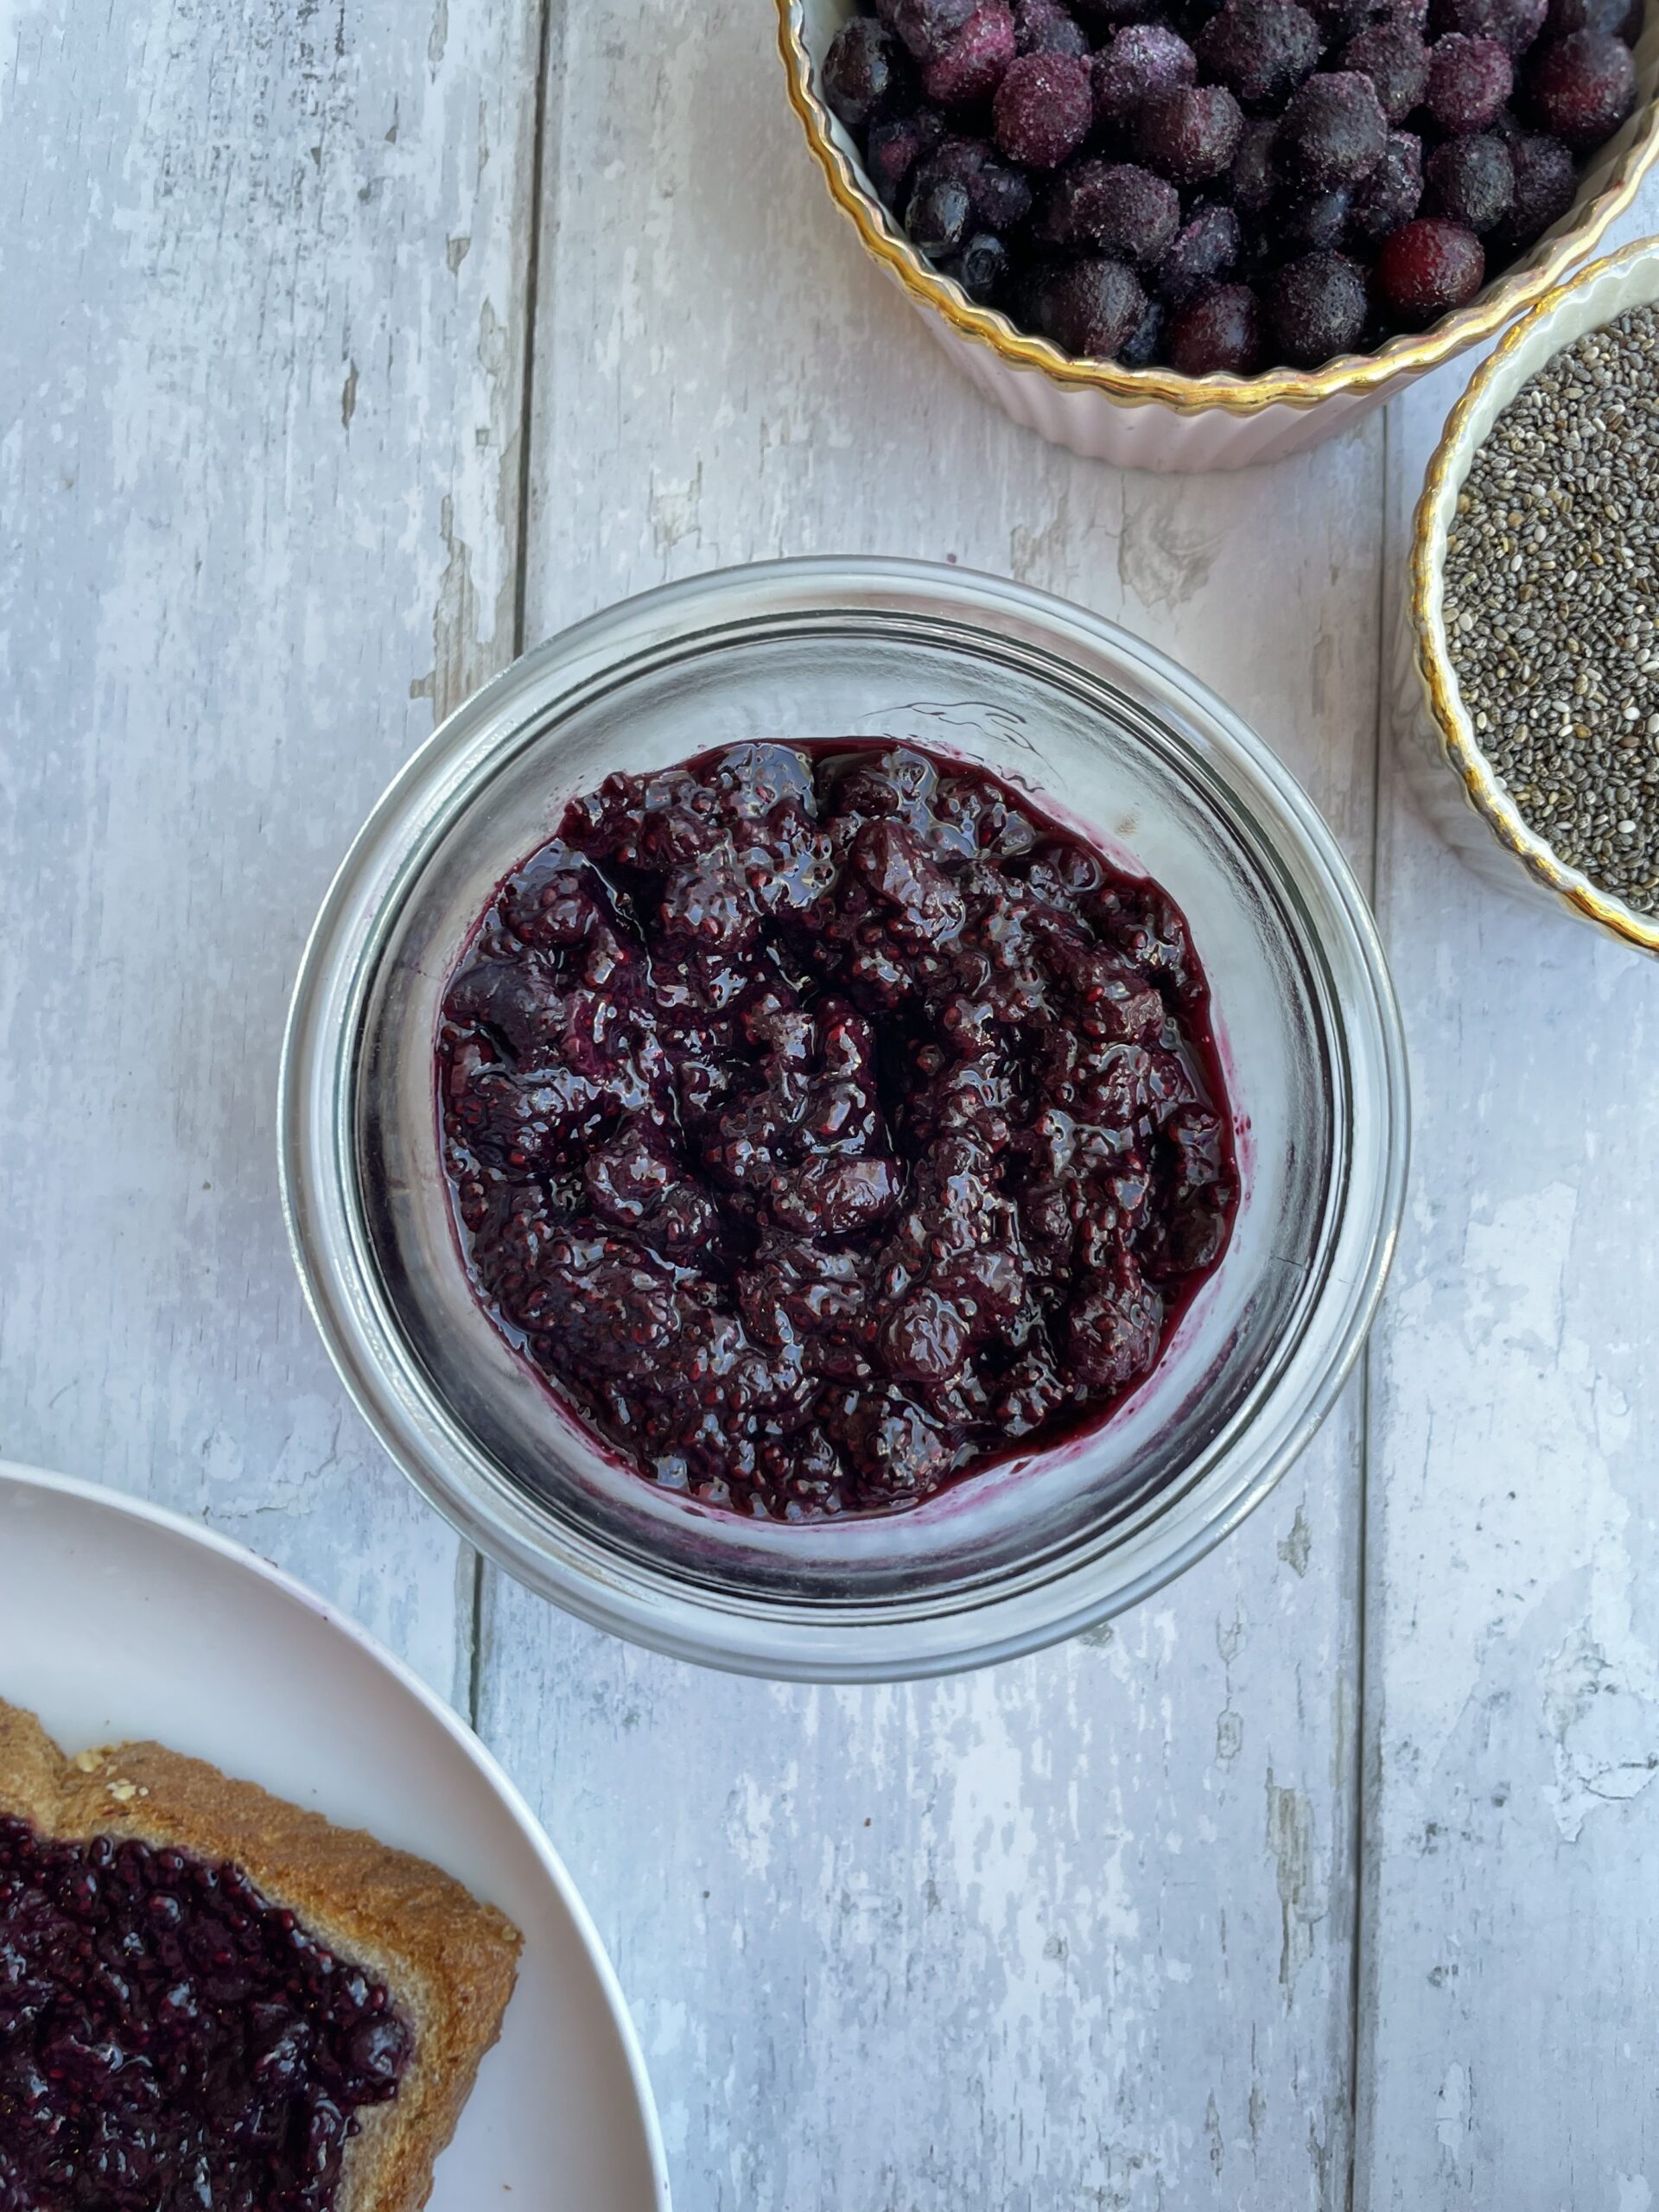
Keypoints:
pixel 1152 418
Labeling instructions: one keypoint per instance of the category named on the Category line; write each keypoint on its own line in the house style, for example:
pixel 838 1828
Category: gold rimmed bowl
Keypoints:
pixel 1152 418
pixel 1449 773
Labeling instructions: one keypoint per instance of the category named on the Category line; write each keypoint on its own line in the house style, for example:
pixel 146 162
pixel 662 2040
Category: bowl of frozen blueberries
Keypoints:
pixel 1186 234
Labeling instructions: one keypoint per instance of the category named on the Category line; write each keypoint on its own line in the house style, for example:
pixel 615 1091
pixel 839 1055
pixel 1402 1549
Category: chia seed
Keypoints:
pixel 1551 604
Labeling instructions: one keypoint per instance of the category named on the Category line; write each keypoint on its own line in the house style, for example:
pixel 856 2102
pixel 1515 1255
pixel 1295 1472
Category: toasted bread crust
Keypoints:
pixel 449 1961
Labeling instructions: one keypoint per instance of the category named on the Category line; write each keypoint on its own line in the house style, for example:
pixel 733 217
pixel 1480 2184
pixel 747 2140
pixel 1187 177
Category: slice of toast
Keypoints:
pixel 449 1961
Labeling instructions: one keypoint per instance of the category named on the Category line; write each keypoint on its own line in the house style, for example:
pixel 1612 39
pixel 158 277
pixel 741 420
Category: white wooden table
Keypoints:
pixel 344 349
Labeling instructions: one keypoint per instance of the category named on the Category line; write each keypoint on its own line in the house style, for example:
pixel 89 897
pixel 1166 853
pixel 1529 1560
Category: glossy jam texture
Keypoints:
pixel 825 1121
pixel 169 2041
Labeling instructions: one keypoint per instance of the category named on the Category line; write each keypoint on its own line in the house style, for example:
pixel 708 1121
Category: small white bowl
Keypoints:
pixel 1152 418
pixel 1448 773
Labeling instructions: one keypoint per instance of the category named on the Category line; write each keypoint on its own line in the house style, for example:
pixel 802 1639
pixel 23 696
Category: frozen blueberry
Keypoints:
pixel 1143 58
pixel 1314 222
pixel 1218 332
pixel 1002 194
pixel 982 268
pixel 1582 87
pixel 1316 309
pixel 1470 81
pixel 1393 193
pixel 896 145
pixel 1473 179
pixel 1333 132
pixel 1190 17
pixel 1045 26
pixel 1092 310
pixel 1545 185
pixel 1103 16
pixel 928 27
pixel 1253 179
pixel 1191 134
pixel 1260 49
pixel 1147 344
pixel 864 71
pixel 1618 18
pixel 1395 59
pixel 1427 268
pixel 1205 251
pixel 938 213
pixel 1042 109
pixel 1340 20
pixel 1114 207
pixel 968 68
pixel 1513 23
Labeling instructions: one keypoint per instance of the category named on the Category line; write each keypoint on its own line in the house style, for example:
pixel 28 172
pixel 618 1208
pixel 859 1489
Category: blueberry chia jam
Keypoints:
pixel 169 2038
pixel 825 1122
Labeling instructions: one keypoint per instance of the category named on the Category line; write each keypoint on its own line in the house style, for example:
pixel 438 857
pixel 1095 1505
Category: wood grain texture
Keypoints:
pixel 1079 1931
pixel 1512 1603
pixel 260 393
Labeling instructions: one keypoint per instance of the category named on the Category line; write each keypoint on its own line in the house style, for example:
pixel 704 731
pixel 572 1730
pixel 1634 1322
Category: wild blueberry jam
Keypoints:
pixel 823 1121
pixel 170 2041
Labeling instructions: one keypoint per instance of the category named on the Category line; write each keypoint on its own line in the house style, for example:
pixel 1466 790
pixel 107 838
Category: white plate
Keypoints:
pixel 119 1621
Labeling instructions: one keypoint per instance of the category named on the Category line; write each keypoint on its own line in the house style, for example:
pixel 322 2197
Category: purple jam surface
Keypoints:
pixel 171 2042
pixel 823 1121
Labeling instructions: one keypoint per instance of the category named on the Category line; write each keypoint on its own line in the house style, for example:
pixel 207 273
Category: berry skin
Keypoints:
pixel 1148 341
pixel 1473 179
pixel 1042 109
pixel 895 146
pixel 1341 20
pixel 864 71
pixel 1470 81
pixel 1219 333
pixel 1045 26
pixel 1260 49
pixel 1513 23
pixel 1092 310
pixel 982 267
pixel 1545 185
pixel 1116 208
pixel 1190 135
pixel 1427 268
pixel 1105 15
pixel 1143 58
pixel 1333 132
pixel 969 69
pixel 1394 191
pixel 1396 60
pixel 1204 252
pixel 1583 87
pixel 938 213
pixel 1253 179
pixel 928 27
pixel 1618 18
pixel 1316 310
pixel 1001 195
pixel 1314 222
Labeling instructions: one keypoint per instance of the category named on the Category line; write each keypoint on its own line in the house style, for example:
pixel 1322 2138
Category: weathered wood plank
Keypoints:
pixel 1078 1931
pixel 260 395
pixel 1511 1916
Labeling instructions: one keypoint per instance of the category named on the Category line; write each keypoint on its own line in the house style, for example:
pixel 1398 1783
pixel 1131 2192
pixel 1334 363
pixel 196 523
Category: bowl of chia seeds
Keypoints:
pixel 1530 677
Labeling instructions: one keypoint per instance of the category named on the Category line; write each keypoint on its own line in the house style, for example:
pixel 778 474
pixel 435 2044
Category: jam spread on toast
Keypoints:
pixel 170 2041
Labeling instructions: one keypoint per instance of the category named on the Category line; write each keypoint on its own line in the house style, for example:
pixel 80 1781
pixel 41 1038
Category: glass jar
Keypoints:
pixel 1147 765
